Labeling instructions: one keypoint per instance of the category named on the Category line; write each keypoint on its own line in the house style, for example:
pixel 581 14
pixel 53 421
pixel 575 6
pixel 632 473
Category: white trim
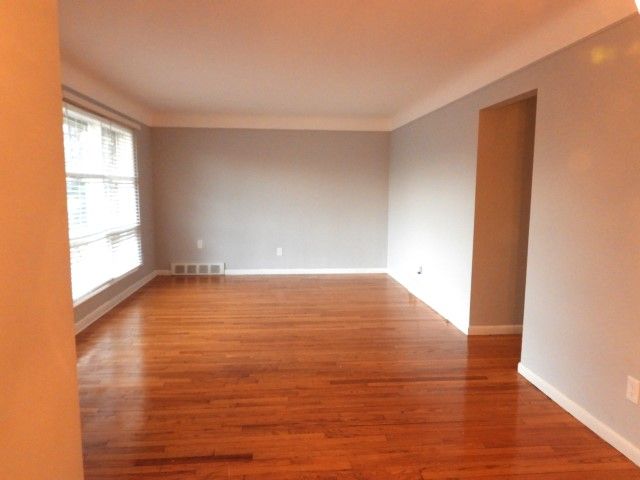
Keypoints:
pixel 110 304
pixel 351 124
pixel 495 330
pixel 623 445
pixel 305 271
pixel 163 273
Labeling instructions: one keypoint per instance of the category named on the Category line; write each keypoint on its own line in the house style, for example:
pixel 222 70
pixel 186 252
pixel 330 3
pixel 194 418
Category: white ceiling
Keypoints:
pixel 377 62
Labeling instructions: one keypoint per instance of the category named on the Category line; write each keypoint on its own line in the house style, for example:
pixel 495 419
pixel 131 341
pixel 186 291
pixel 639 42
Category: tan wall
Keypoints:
pixel 503 196
pixel 39 417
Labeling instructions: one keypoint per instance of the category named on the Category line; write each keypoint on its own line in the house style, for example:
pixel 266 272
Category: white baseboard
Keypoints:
pixel 163 273
pixel 416 293
pixel 109 305
pixel 304 271
pixel 620 443
pixel 466 329
pixel 495 330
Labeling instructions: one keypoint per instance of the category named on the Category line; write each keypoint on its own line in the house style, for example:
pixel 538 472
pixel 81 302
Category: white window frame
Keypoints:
pixel 82 109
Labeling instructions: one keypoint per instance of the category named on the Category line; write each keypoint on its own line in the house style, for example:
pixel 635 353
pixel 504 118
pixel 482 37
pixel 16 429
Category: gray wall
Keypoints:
pixel 320 195
pixel 145 168
pixel 431 208
pixel 581 326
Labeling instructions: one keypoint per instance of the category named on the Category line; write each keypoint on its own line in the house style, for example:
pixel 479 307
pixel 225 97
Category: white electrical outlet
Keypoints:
pixel 279 251
pixel 633 390
pixel 200 244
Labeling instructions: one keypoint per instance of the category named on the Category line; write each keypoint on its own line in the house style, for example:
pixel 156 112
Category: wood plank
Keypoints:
pixel 314 377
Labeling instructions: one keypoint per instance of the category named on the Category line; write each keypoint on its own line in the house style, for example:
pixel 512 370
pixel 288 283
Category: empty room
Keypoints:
pixel 320 240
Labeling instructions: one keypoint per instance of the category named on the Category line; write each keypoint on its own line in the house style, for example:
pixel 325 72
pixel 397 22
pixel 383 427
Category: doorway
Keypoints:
pixel 501 229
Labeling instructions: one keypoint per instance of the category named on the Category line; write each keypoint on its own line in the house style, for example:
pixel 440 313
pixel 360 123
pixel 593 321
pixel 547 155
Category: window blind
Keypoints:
pixel 102 200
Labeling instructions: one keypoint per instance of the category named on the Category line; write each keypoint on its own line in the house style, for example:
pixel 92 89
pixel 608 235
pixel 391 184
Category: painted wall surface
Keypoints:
pixel 320 195
pixel 431 208
pixel 39 414
pixel 145 182
pixel 581 325
pixel 501 226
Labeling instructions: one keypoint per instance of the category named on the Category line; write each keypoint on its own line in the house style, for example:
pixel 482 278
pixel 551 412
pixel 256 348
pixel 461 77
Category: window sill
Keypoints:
pixel 104 286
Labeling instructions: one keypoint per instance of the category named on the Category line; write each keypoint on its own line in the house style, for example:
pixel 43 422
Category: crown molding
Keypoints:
pixel 88 85
pixel 79 83
pixel 77 99
pixel 273 122
pixel 582 21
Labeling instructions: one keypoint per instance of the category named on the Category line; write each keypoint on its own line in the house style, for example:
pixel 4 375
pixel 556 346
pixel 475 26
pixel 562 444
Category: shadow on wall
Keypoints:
pixel 501 229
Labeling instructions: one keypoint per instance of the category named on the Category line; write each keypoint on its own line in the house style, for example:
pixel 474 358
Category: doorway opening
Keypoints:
pixel 501 230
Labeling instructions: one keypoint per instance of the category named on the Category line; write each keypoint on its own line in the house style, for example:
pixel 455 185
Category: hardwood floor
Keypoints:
pixel 327 377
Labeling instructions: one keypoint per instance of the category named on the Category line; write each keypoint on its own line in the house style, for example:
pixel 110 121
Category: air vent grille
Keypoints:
pixel 197 269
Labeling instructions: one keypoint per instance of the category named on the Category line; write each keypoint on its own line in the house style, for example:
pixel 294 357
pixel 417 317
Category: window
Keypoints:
pixel 102 200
